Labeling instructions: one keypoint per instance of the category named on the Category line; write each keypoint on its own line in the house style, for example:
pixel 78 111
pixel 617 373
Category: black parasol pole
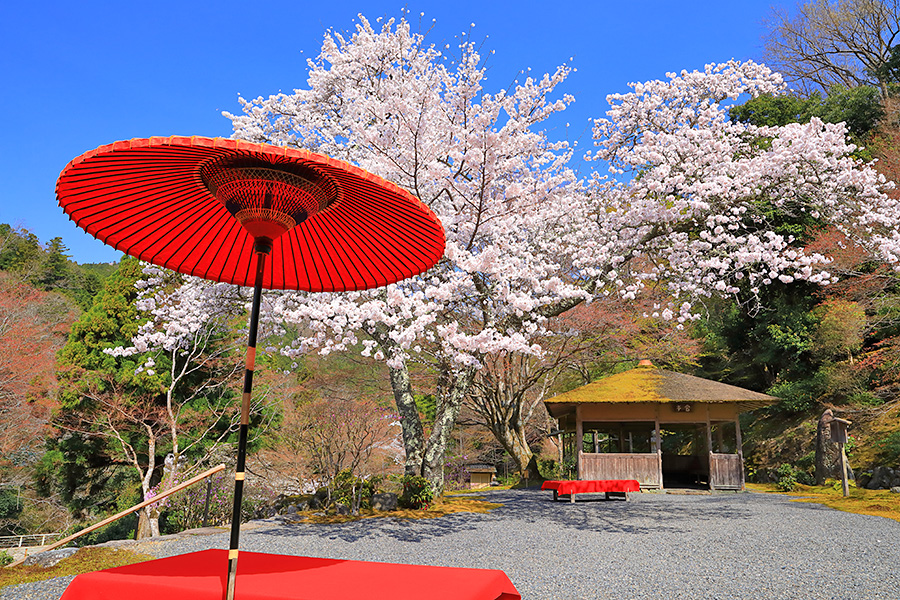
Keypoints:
pixel 262 247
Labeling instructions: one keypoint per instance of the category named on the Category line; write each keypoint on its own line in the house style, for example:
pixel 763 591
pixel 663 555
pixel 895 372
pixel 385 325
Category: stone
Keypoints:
pixel 50 557
pixel 291 509
pixel 384 501
pixel 895 489
pixel 341 509
pixel 864 479
pixel 881 478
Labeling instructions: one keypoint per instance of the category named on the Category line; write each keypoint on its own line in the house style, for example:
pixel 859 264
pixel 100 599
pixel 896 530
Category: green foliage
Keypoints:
pixel 786 478
pixel 83 471
pixel 123 529
pixel 346 486
pixel 756 349
pixel 840 328
pixel 859 108
pixel 798 395
pixel 19 249
pixel 5 558
pixel 427 406
pixel 889 71
pixel 112 321
pixel 10 509
pixel 889 448
pixel 416 493
pixel 776 111
pixel 48 267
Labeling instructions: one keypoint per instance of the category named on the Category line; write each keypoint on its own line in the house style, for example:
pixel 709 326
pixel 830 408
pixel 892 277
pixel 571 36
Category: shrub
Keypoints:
pixel 348 487
pixel 549 468
pixel 889 448
pixel 797 396
pixel 185 509
pixel 416 493
pixel 5 558
pixel 786 477
pixel 456 473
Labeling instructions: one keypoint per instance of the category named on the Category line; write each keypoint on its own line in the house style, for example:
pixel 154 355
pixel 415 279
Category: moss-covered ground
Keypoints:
pixel 877 503
pixel 449 504
pixel 83 561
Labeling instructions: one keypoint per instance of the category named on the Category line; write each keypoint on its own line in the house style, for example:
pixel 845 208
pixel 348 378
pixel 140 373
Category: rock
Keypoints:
pixel 895 490
pixel 864 479
pixel 341 509
pixel 49 558
pixel 291 509
pixel 384 501
pixel 881 478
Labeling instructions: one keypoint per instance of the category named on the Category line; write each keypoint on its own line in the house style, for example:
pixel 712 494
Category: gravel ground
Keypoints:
pixel 652 546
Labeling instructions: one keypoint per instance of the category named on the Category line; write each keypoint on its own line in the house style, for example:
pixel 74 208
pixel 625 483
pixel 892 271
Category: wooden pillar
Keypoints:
pixel 659 448
pixel 709 448
pixel 579 435
pixel 740 446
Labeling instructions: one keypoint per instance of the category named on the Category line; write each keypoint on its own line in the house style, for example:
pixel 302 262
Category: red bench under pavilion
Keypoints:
pixel 610 487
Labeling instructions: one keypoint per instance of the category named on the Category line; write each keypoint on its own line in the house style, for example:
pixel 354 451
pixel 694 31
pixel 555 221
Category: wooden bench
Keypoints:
pixel 610 487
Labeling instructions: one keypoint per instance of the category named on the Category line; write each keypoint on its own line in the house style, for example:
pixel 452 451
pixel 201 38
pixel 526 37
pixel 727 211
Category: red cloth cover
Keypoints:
pixel 201 576
pixel 593 486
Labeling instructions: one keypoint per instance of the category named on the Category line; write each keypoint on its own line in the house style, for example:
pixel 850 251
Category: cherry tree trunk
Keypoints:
pixel 148 523
pixel 452 391
pixel 512 438
pixel 425 457
pixel 410 424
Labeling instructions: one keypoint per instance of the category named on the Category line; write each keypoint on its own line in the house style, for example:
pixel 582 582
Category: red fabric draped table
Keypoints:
pixel 201 576
pixel 592 486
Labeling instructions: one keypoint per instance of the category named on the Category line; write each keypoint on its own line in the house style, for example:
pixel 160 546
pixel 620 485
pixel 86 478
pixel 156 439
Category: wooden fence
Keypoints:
pixel 641 466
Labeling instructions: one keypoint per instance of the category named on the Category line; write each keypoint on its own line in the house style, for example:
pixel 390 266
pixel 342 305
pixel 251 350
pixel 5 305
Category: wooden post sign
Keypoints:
pixel 839 430
pixel 839 437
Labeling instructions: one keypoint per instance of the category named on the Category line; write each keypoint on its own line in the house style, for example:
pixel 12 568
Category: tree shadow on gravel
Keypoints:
pixel 641 514
pixel 649 514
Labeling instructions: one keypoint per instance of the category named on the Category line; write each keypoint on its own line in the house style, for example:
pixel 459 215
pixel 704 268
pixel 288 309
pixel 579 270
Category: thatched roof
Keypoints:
pixel 647 383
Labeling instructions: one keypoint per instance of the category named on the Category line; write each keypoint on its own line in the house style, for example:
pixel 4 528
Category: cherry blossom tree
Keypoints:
pixel 388 102
pixel 689 211
pixel 701 210
pixel 187 347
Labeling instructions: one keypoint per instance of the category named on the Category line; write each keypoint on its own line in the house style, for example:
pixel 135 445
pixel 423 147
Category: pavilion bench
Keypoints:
pixel 610 487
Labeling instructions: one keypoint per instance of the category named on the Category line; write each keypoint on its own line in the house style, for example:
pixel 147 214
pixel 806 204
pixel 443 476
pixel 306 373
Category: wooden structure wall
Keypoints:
pixel 725 469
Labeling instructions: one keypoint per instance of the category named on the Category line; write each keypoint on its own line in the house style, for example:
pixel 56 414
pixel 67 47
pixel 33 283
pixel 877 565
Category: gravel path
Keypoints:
pixel 652 546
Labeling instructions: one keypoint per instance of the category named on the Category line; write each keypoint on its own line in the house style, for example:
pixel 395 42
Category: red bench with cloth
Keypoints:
pixel 201 576
pixel 617 487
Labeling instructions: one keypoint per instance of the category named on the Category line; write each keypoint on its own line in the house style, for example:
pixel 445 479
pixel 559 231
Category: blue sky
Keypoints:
pixel 76 75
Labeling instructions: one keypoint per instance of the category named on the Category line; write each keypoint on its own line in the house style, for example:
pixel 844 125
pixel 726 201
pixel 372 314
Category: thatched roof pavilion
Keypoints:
pixel 660 427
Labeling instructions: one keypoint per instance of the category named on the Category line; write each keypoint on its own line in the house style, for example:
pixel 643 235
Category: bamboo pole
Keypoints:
pixel 125 512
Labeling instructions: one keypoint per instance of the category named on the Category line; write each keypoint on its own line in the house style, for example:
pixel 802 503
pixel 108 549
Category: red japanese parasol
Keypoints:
pixel 250 214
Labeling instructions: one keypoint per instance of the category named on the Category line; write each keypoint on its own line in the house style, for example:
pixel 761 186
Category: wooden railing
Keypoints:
pixel 641 466
pixel 127 511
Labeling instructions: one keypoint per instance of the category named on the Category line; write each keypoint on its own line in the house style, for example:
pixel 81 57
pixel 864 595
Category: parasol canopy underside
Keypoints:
pixel 148 198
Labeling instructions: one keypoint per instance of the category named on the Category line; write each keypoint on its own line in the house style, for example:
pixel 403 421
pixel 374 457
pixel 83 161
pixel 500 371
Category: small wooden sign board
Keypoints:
pixel 839 430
